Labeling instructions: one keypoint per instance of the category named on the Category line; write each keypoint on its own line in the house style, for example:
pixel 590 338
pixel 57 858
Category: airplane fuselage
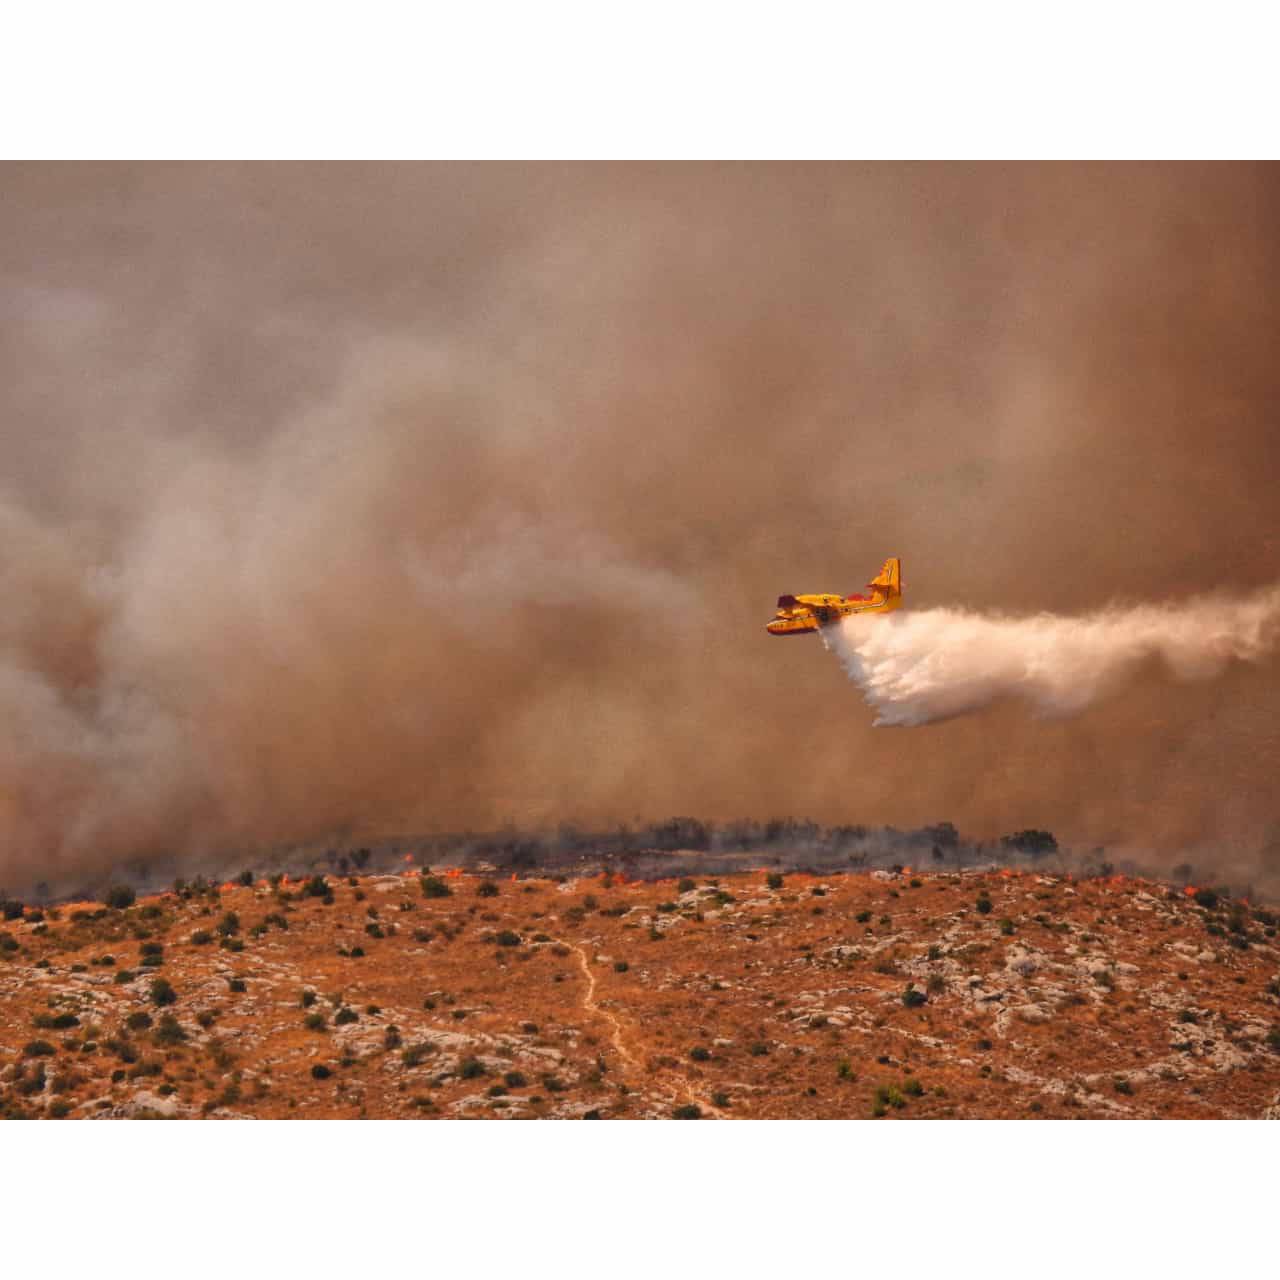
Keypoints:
pixel 802 615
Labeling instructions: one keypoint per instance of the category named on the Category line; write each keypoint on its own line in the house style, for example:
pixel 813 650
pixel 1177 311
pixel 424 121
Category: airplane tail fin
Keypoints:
pixel 890 577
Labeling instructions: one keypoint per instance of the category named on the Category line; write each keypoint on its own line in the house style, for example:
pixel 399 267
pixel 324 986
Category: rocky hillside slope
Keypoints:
pixel 885 995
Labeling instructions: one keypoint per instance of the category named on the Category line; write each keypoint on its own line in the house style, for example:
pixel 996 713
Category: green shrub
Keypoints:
pixel 774 880
pixel 758 1049
pixel 913 998
pixel 689 1111
pixel 620 966
pixel 162 993
pixel 38 1049
pixel 1006 927
pixel 315 1021
pixel 54 1021
pixel 506 938
pixel 120 896
pixel 434 887
pixel 169 1031
pixel 685 885
pixel 139 1020
pixel 316 887
pixel 1206 898
pixel 345 1016
pixel 471 1068
pixel 415 1053
pixel 889 1095
pixel 229 924
pixel 11 909
pixel 245 878
pixel 912 1087
pixel 699 1053
pixel 486 889
pixel 514 1080
pixel 320 1072
pixel 124 976
pixel 984 905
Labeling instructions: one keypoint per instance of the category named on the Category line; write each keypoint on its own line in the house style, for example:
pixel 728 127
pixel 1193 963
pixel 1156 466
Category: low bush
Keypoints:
pixel 120 896
pixel 689 1111
pixel 434 887
pixel 54 1021
pixel 169 1031
pixel 162 993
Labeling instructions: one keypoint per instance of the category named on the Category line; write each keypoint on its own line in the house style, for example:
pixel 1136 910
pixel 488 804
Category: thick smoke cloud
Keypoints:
pixel 919 668
pixel 353 499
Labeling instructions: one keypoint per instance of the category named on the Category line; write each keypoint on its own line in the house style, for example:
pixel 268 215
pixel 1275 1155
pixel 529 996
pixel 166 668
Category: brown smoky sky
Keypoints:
pixel 365 498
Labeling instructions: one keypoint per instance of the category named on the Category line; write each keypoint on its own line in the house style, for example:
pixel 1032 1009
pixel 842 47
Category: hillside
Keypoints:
pixel 883 994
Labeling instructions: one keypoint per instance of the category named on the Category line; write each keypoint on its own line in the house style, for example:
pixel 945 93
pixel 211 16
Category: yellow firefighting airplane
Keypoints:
pixel 799 615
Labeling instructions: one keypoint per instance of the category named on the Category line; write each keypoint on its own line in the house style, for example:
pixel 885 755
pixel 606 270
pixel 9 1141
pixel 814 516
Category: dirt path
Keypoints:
pixel 686 1090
